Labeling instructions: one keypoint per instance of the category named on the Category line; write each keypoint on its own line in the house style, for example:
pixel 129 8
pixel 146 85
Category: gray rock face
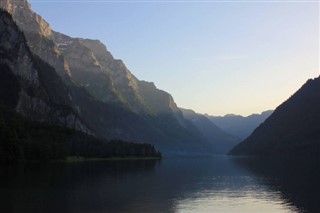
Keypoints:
pixel 34 100
pixel 37 32
pixel 107 79
pixel 27 20
pixel 89 64
pixel 87 70
pixel 11 42
pixel 103 92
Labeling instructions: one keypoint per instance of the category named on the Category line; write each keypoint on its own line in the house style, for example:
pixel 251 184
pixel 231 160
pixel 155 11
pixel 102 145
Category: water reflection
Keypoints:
pixel 71 187
pixel 216 184
pixel 296 179
pixel 221 185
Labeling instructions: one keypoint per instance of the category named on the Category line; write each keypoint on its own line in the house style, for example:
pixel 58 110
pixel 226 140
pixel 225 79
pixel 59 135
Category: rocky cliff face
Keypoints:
pixel 88 63
pixel 37 32
pixel 108 98
pixel 92 66
pixel 14 53
pixel 32 96
pixel 28 21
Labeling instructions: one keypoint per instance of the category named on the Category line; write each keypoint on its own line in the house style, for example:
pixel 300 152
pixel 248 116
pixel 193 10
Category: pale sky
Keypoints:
pixel 214 57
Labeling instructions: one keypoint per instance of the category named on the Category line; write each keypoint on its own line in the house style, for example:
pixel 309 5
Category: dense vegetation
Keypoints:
pixel 293 128
pixel 21 139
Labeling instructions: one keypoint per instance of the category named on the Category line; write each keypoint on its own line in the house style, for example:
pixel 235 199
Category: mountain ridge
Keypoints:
pixel 218 140
pixel 238 125
pixel 292 129
pixel 65 53
pixel 109 99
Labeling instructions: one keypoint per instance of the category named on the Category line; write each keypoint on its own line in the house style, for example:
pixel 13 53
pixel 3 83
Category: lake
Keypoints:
pixel 202 184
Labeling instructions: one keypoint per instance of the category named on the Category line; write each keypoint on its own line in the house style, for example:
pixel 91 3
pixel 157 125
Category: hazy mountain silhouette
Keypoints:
pixel 218 140
pixel 240 126
pixel 293 128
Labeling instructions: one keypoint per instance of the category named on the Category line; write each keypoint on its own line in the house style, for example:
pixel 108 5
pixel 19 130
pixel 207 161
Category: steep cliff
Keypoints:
pixel 37 32
pixel 86 61
pixel 92 66
pixel 30 85
pixel 108 98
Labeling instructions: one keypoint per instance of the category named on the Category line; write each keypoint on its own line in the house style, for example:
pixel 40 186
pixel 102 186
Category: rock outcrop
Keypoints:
pixel 31 94
pixel 38 33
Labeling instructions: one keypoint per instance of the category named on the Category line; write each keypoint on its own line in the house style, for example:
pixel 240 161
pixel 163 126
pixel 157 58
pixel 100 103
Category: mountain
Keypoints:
pixel 238 125
pixel 37 121
pixel 106 97
pixel 219 141
pixel 292 129
pixel 29 85
pixel 89 64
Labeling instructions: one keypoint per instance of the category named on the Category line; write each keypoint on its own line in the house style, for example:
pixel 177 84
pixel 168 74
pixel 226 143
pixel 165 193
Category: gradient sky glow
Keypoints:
pixel 214 57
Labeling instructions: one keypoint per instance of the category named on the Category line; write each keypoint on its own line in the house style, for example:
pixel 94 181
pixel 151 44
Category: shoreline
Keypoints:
pixel 74 159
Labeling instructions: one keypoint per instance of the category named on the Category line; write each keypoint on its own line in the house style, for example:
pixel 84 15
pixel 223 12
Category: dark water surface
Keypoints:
pixel 211 184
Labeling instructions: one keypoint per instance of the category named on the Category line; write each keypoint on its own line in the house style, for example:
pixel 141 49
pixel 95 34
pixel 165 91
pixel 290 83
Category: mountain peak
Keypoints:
pixel 11 5
pixel 26 19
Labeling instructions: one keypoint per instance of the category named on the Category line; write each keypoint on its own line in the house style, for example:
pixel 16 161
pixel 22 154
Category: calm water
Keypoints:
pixel 212 184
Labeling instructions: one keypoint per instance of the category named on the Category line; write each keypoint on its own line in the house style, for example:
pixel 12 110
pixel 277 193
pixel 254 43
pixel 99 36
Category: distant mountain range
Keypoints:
pixel 76 83
pixel 292 129
pixel 238 125
pixel 212 133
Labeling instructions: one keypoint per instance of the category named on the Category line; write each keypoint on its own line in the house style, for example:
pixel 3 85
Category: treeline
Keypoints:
pixel 85 147
pixel 21 139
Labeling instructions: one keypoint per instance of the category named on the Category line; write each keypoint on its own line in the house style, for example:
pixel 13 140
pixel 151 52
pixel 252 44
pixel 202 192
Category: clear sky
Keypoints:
pixel 214 57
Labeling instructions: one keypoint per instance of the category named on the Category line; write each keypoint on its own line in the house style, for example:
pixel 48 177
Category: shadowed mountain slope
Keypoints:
pixel 219 141
pixel 293 128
